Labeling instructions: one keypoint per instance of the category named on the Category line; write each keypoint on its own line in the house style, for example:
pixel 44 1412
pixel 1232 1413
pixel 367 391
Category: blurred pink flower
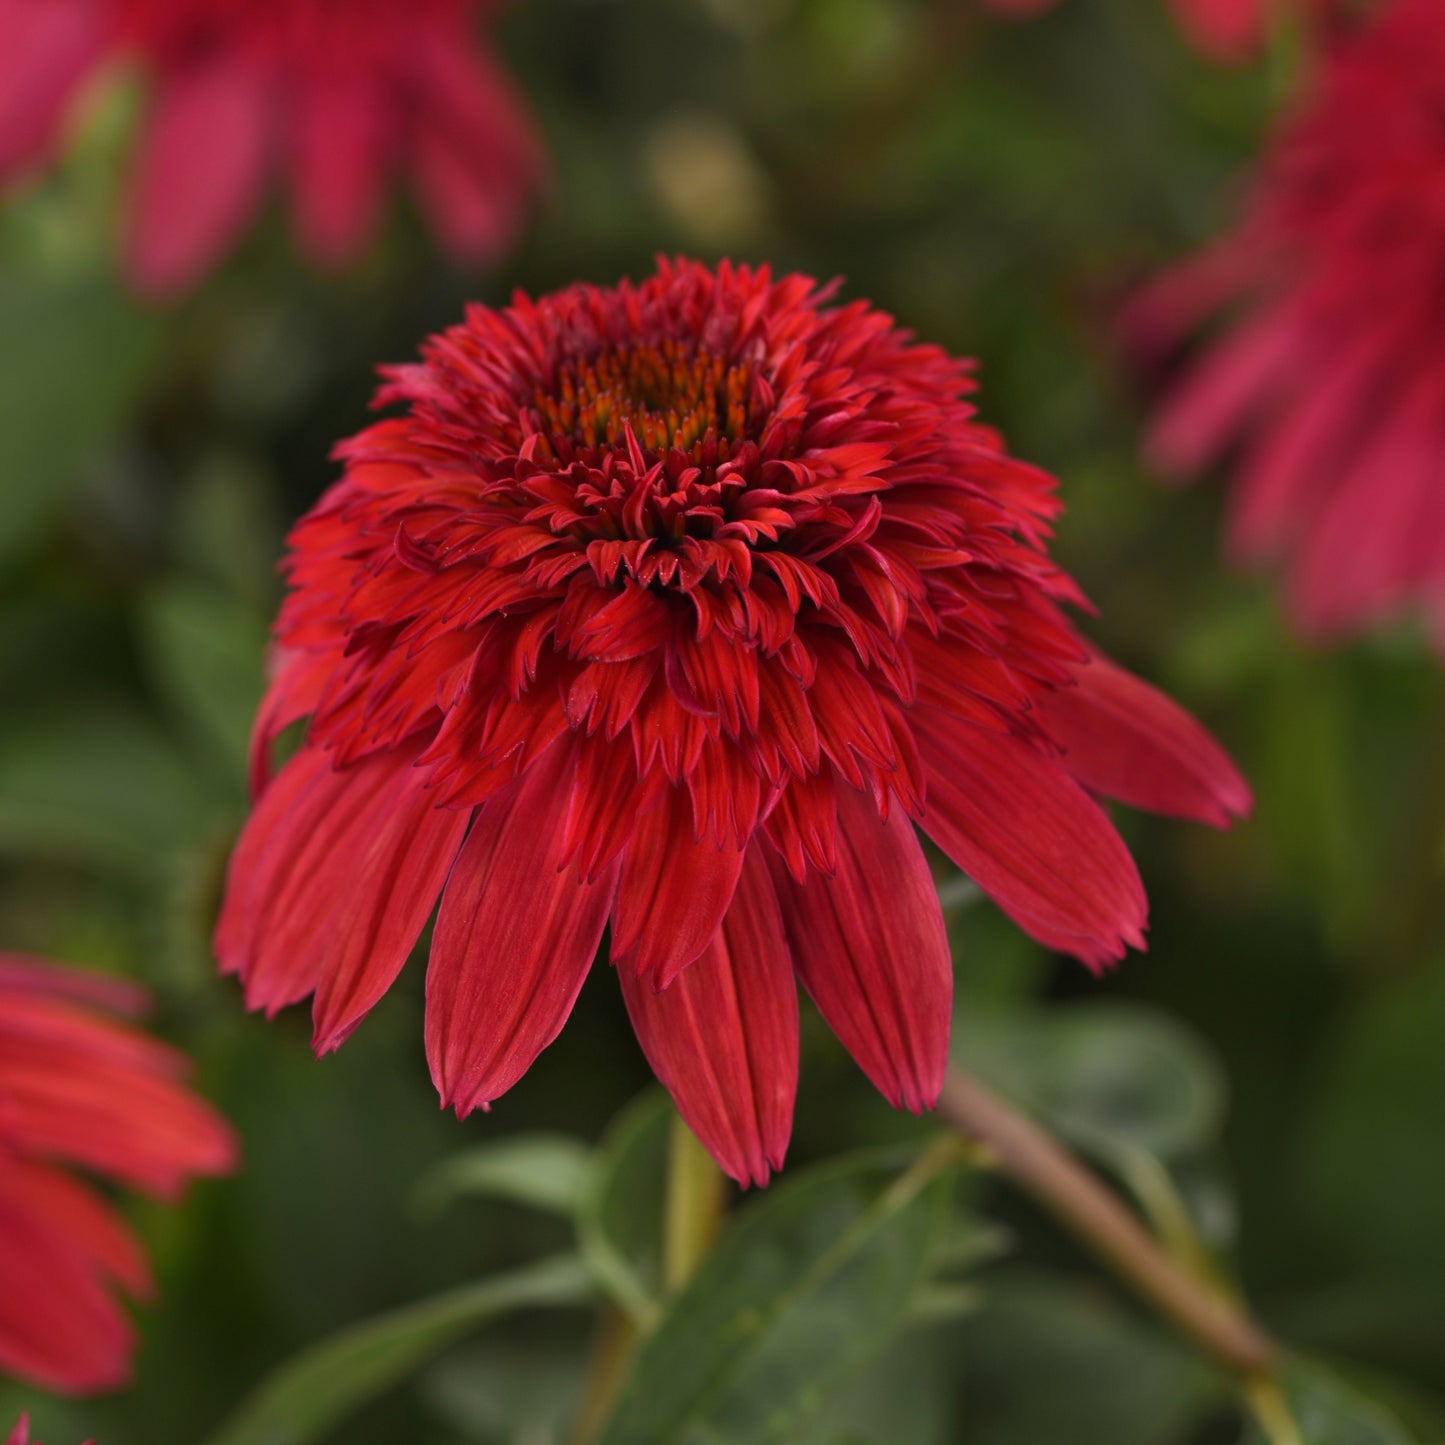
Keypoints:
pixel 1224 30
pixel 1324 387
pixel 20 1435
pixel 330 96
pixel 79 1089
pixel 676 605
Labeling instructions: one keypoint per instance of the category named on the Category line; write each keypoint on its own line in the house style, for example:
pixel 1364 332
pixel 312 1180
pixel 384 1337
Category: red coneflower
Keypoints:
pixel 675 605
pixel 79 1089
pixel 1327 386
pixel 1224 30
pixel 331 95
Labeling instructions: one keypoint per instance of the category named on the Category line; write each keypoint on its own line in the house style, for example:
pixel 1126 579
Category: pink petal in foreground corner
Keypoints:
pixel 1128 741
pixel 514 940
pixel 723 1036
pixel 870 947
pixel 201 172
pixel 674 891
pixel 1030 837
pixel 47 52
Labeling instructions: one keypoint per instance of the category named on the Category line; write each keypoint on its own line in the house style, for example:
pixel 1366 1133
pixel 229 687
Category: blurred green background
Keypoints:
pixel 998 188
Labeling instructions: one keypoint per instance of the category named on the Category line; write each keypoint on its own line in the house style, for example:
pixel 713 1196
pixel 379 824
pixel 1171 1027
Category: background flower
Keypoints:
pixel 330 97
pixel 80 1090
pixel 1325 389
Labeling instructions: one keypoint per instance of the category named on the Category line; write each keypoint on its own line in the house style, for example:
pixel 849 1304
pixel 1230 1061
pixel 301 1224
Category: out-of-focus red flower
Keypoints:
pixel 675 605
pixel 20 1435
pixel 1325 387
pixel 1224 30
pixel 331 97
pixel 80 1089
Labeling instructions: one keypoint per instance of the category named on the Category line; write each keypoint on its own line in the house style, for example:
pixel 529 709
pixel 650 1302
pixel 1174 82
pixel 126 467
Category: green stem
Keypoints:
pixel 696 1194
pixel 608 1366
pixel 1097 1217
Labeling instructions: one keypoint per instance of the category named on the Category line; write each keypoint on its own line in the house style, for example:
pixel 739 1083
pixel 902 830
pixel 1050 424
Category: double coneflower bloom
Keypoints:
pixel 681 607
pixel 329 96
pixel 81 1090
pixel 1325 387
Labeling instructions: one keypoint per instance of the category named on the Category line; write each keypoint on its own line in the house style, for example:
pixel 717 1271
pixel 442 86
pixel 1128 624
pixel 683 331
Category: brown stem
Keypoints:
pixel 1101 1221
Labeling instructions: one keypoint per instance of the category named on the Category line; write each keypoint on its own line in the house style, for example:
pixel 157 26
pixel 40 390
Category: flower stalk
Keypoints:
pixel 1098 1218
pixel 693 1209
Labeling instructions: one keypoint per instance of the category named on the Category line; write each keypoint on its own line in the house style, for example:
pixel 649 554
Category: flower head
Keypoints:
pixel 1223 30
pixel 330 96
pixel 80 1089
pixel 675 605
pixel 1325 388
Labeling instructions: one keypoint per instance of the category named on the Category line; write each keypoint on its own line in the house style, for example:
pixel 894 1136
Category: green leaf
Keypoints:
pixel 1327 1411
pixel 1103 1075
pixel 550 1172
pixel 74 357
pixel 98 785
pixel 316 1391
pixel 810 1282
pixel 205 650
pixel 519 1393
pixel 619 1224
pixel 1044 1363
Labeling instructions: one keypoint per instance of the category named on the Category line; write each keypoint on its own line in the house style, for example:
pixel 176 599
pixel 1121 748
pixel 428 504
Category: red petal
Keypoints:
pixel 48 50
pixel 65 1252
pixel 515 937
pixel 723 1036
pixel 331 882
pixel 477 157
pixel 870 947
pixel 339 165
pixel 1226 30
pixel 1030 837
pixel 673 893
pixel 1126 740
pixel 80 1088
pixel 201 172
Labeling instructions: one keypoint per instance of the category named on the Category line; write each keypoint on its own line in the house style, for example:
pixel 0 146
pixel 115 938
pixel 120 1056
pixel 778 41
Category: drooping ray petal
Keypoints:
pixel 723 1036
pixel 477 157
pixel 673 893
pixel 514 940
pixel 382 905
pixel 200 172
pixel 1029 836
pixel 48 51
pixel 870 947
pixel 341 151
pixel 334 877
pixel 1126 740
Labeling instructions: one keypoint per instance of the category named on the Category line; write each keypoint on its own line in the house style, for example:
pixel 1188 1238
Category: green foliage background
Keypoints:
pixel 1278 1051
